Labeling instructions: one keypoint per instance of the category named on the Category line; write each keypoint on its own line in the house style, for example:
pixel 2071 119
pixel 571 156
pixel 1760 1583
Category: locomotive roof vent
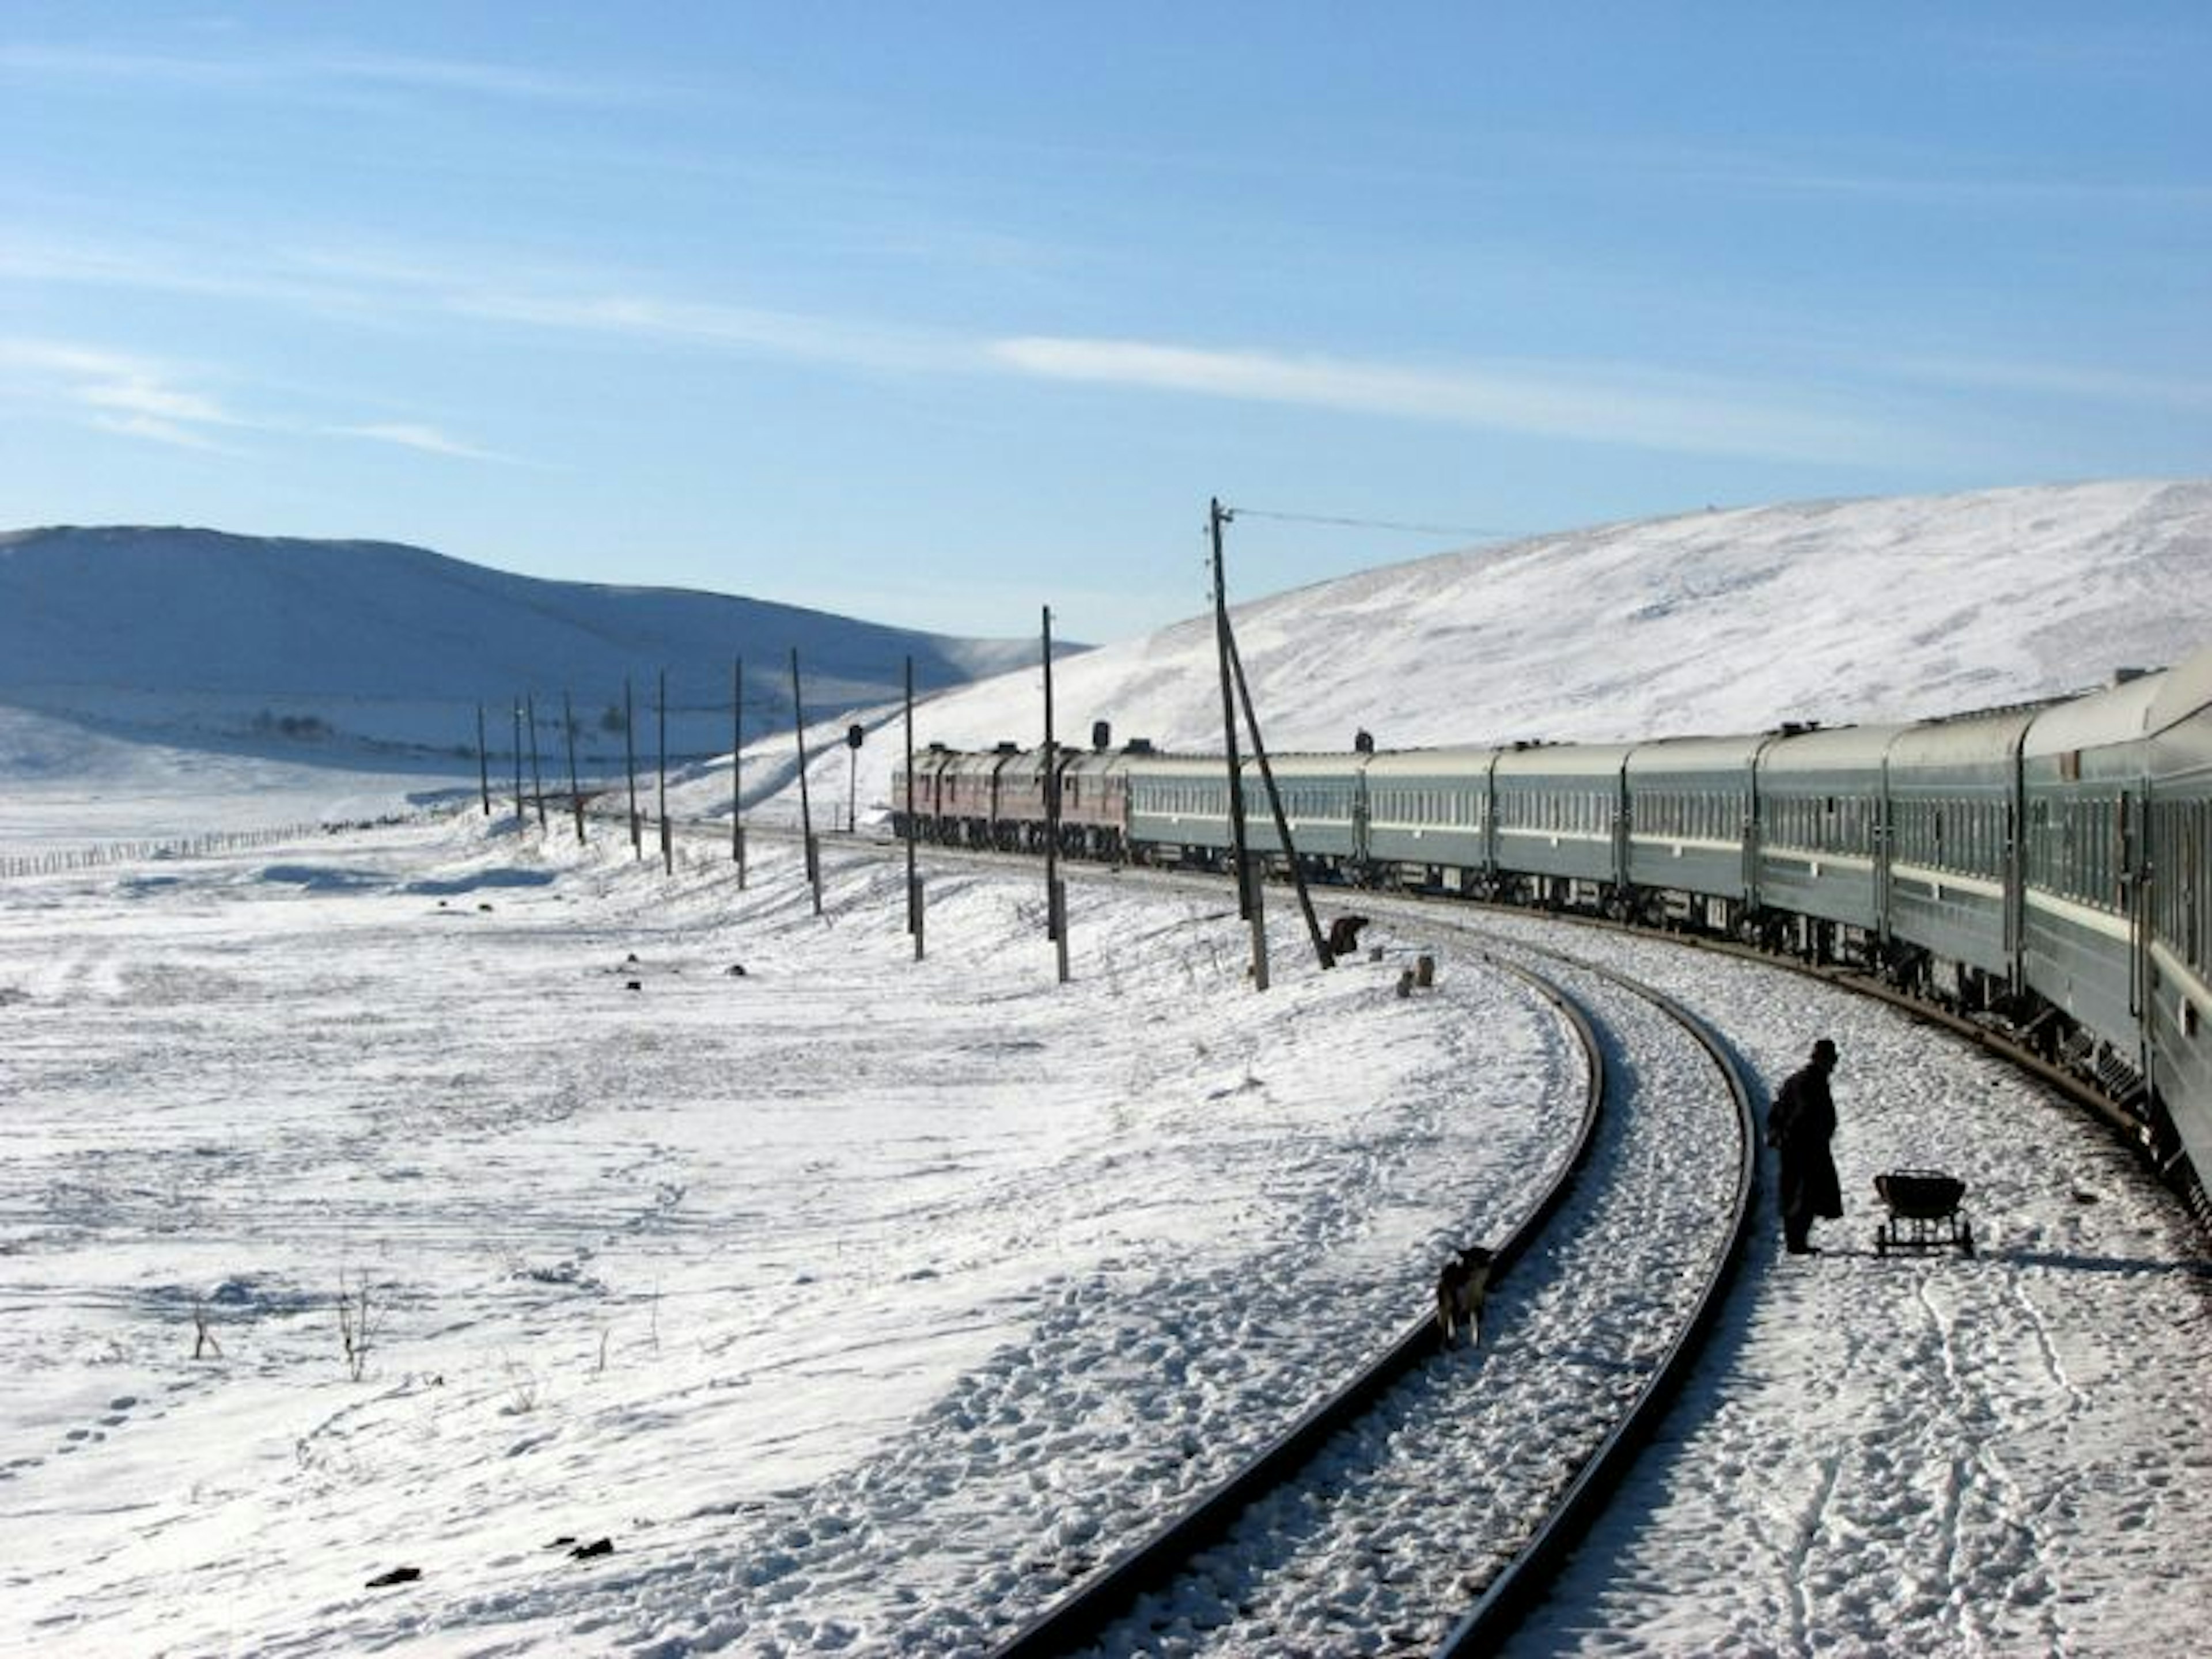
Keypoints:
pixel 1138 746
pixel 1007 746
pixel 2121 676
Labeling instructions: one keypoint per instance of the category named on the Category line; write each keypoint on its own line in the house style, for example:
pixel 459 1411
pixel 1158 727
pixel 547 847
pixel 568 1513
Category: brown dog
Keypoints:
pixel 1460 1289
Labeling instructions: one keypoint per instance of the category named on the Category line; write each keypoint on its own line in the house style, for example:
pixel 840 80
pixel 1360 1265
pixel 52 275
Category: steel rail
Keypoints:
pixel 1519 1586
pixel 1079 1618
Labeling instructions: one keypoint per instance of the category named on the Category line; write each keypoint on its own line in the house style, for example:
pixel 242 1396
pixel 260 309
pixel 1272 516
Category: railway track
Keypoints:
pixel 1457 1480
pixel 1243 1594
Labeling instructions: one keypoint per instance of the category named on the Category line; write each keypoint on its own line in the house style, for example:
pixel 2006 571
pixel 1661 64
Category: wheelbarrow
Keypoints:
pixel 1923 1211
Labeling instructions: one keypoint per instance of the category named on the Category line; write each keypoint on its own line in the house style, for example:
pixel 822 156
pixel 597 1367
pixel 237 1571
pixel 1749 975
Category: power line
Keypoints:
pixel 1373 524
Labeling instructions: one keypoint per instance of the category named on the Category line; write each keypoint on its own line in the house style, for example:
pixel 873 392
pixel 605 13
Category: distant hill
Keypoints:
pixel 1829 611
pixel 351 642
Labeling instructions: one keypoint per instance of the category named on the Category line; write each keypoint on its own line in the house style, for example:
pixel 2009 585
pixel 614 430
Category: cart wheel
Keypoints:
pixel 1967 1240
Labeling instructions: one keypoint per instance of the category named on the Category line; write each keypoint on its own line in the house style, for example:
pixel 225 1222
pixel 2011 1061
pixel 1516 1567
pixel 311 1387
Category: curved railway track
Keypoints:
pixel 1232 1603
pixel 1458 1478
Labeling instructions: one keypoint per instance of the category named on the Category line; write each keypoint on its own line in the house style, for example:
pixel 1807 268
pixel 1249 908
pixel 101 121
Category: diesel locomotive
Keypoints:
pixel 2045 869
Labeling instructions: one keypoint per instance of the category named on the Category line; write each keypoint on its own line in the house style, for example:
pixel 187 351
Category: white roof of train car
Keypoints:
pixel 1564 760
pixel 2120 714
pixel 1309 766
pixel 1982 740
pixel 2188 687
pixel 1666 755
pixel 1843 748
pixel 1430 763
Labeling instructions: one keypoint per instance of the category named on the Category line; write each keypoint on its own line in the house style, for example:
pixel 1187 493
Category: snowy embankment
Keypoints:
pixel 846 1296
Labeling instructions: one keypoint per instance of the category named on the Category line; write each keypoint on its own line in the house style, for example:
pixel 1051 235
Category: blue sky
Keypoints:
pixel 935 314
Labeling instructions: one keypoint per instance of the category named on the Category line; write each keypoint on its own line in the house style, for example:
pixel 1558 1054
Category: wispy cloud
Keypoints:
pixel 136 397
pixel 851 342
pixel 2065 380
pixel 1876 174
pixel 1638 407
pixel 1646 408
pixel 182 264
pixel 297 73
pixel 139 396
pixel 1633 404
pixel 427 438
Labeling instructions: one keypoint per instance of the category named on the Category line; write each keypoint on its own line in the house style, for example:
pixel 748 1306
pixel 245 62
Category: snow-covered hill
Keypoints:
pixel 1833 612
pixel 195 632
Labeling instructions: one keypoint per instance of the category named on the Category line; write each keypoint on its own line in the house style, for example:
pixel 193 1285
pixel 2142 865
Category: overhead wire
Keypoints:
pixel 1373 524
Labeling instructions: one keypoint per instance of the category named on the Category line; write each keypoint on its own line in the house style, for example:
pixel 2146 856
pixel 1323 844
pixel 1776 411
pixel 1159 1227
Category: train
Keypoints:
pixel 2044 869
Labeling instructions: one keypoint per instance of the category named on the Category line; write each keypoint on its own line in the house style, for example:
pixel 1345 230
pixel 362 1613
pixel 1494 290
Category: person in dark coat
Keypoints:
pixel 1800 1126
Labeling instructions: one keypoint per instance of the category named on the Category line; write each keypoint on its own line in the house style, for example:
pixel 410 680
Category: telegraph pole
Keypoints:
pixel 806 804
pixel 1249 904
pixel 630 763
pixel 518 771
pixel 912 881
pixel 855 734
pixel 737 769
pixel 483 763
pixel 1055 895
pixel 667 838
pixel 575 788
pixel 1275 806
pixel 537 776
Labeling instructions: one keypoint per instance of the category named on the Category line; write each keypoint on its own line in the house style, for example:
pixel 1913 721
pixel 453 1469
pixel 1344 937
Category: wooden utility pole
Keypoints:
pixel 629 765
pixel 537 774
pixel 912 881
pixel 667 838
pixel 737 769
pixel 806 803
pixel 575 788
pixel 483 763
pixel 854 734
pixel 1249 904
pixel 1275 806
pixel 1055 895
pixel 518 769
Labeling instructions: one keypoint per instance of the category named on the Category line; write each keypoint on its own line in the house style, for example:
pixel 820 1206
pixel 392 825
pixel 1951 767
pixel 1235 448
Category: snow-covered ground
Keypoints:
pixel 823 1290
pixel 857 1301
pixel 1928 1454
pixel 68 791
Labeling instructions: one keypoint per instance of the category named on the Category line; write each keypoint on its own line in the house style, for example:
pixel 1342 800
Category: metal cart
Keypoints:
pixel 1923 1211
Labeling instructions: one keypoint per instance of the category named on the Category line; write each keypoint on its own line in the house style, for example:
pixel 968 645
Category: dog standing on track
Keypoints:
pixel 1461 1287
